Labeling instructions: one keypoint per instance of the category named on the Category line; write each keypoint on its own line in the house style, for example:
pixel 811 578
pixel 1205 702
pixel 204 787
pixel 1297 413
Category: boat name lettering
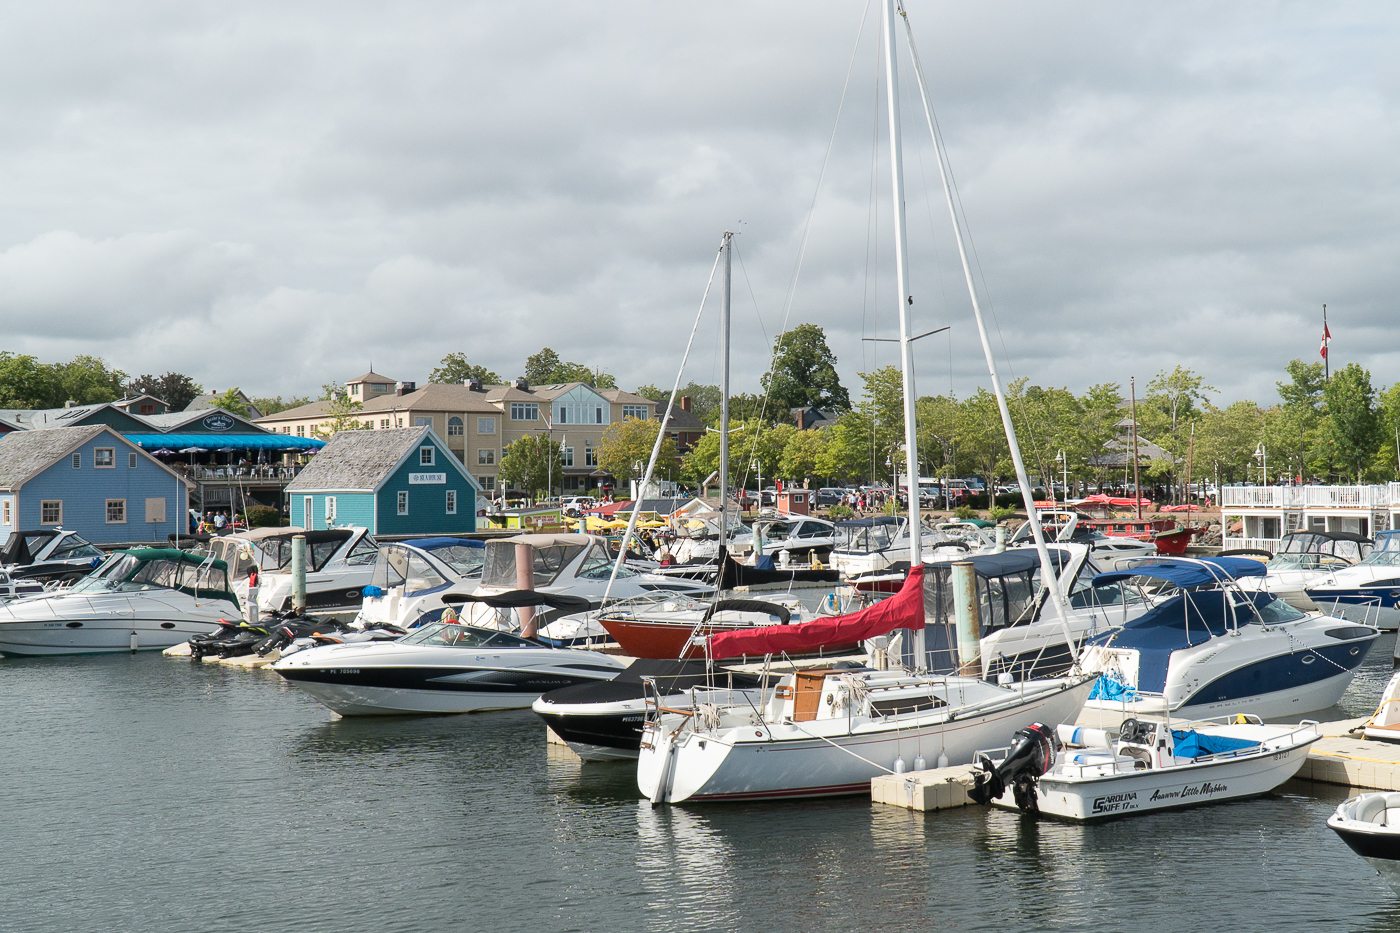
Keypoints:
pixel 1198 790
pixel 1115 802
pixel 427 479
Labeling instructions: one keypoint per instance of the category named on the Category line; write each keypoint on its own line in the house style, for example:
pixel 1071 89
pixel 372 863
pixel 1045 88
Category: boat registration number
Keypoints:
pixel 344 670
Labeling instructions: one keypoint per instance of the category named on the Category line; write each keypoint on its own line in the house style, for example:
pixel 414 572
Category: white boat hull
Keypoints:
pixel 103 624
pixel 1288 704
pixel 788 760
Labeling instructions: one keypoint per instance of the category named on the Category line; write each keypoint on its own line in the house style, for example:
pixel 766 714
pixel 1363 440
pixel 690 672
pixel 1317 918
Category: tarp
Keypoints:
pixel 1187 573
pixel 514 599
pixel 1194 744
pixel 1101 499
pixel 236 441
pixel 903 610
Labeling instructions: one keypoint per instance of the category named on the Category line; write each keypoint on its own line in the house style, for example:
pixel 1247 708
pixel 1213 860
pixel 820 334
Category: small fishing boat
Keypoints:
pixel 1370 825
pixel 1384 724
pixel 1147 766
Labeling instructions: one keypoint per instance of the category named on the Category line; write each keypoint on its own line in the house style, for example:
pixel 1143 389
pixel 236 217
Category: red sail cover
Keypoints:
pixel 905 609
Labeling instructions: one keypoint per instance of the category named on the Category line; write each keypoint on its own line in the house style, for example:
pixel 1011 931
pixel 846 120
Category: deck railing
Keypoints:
pixel 1305 497
pixel 1271 545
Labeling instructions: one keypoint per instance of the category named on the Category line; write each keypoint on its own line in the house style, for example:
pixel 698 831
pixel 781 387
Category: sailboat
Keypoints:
pixel 828 731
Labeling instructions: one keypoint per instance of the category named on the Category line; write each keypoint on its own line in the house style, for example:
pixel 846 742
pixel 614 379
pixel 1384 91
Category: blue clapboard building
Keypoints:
pixel 397 481
pixel 91 480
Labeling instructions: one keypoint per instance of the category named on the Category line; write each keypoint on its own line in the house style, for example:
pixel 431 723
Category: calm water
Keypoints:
pixel 141 793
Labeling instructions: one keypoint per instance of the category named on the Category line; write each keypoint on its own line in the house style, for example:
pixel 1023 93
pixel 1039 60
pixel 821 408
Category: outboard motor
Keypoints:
pixel 1032 754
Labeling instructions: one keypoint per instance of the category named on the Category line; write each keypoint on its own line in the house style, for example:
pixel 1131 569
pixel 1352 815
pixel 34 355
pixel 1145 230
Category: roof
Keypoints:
pixel 35 418
pixel 26 454
pixel 211 400
pixel 178 419
pixel 626 398
pixel 682 419
pixel 435 396
pixel 362 461
pixel 300 413
pixel 373 377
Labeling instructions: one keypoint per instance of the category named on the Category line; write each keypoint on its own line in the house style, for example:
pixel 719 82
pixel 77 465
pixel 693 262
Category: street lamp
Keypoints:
pixel 1064 470
pixel 757 467
pixel 1261 453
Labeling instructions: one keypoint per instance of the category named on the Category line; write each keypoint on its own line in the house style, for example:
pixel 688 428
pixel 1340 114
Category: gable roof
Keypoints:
pixel 173 420
pixel 374 378
pixel 300 413
pixel 26 454
pixel 48 418
pixel 210 400
pixel 626 398
pixel 682 419
pixel 362 461
pixel 435 396
pixel 125 403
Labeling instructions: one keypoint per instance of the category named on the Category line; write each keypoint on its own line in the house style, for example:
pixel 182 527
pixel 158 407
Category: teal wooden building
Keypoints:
pixel 400 481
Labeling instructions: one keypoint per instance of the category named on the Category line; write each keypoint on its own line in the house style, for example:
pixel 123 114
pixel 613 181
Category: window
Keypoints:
pixel 301 430
pixel 422 421
pixel 147 409
pixel 398 422
pixel 77 461
pixel 487 482
pixel 51 511
pixel 590 456
pixel 486 426
pixel 286 429
pixel 567 456
pixel 131 461
pixel 155 510
pixel 5 512
pixel 426 456
pixel 367 424
pixel 451 502
pixel 634 411
pixel 524 411
pixel 598 415
pixel 330 510
pixel 486 456
pixel 384 422
pixel 454 426
pixel 116 511
pixel 104 458
pixel 403 501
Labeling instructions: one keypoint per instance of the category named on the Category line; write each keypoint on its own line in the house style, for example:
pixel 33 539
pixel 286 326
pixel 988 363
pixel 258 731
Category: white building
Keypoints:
pixel 1267 513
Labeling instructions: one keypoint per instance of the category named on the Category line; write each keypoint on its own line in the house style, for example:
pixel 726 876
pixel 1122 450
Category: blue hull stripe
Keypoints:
pixel 1284 672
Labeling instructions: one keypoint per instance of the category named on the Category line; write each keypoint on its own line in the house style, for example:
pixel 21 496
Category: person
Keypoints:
pixel 219 521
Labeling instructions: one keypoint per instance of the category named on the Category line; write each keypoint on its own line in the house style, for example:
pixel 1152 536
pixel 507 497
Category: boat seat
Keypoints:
pixel 1372 810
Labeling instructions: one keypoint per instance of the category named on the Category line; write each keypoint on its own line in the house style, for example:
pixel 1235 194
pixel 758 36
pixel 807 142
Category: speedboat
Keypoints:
pixel 136 600
pixel 445 667
pixel 49 555
pixel 339 564
pixel 1368 592
pixel 1370 826
pixel 827 731
pixel 1065 527
pixel 798 536
pixel 1147 766
pixel 1307 558
pixel 602 720
pixel 1213 648
pixel 410 577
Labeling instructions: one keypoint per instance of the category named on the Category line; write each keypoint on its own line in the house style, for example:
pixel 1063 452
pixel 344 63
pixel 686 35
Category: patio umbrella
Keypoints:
pixel 163 452
pixel 194 450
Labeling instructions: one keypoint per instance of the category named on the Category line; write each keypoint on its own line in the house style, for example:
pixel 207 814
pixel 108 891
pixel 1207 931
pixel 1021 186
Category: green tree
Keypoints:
pixel 330 391
pixel 1226 440
pixel 175 389
pixel 982 438
pixel 629 442
pixel 1388 455
pixel 704 399
pixel 802 455
pixel 937 417
pixel 1294 433
pixel 270 406
pixel 87 380
pixel 1353 425
pixel 1177 394
pixel 25 382
pixel 1101 411
pixel 546 368
pixel 343 416
pixel 527 463
pixel 455 369
pixel 804 372
pixel 231 400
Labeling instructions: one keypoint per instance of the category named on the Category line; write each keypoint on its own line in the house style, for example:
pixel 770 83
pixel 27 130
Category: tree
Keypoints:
pixel 343 416
pixel 175 389
pixel 545 368
pixel 629 442
pixel 454 368
pixel 25 382
pixel 87 380
pixel 1177 393
pixel 1387 457
pixel 1353 426
pixel 527 463
pixel 270 406
pixel 331 391
pixel 231 400
pixel 1100 411
pixel 804 372
pixel 1293 433
pixel 937 418
pixel 982 438
pixel 802 455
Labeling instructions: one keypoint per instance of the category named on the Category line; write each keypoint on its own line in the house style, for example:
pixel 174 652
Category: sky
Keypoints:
pixel 274 195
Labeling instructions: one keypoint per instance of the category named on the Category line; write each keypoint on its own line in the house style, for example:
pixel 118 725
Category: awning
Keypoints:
pixel 234 441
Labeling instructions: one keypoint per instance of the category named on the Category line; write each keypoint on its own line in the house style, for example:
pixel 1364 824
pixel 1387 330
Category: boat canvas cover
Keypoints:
pixel 905 609
pixel 1188 573
pixel 436 544
pixel 1193 744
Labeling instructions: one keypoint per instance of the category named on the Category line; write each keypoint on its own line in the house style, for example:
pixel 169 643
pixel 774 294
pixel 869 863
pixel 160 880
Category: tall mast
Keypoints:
pixel 1047 569
pixel 901 273
pixel 1137 490
pixel 724 404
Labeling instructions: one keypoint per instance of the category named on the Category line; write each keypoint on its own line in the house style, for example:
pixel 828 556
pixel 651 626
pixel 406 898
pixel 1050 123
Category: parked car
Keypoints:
pixel 830 495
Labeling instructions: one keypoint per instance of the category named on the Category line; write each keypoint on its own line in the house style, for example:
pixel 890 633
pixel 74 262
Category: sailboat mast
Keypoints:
pixel 906 300
pixel 724 402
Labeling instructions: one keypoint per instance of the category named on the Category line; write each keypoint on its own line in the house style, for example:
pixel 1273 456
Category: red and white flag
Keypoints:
pixel 1326 339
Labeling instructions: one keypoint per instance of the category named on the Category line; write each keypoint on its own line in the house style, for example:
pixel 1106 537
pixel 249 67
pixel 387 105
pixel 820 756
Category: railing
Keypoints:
pixel 1304 497
pixel 244 474
pixel 1256 544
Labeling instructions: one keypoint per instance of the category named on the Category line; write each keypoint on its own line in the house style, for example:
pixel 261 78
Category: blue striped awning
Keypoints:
pixel 236 441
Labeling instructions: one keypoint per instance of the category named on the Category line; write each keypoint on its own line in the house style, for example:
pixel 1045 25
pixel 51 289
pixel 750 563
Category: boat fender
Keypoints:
pixel 942 759
pixel 899 766
pixel 135 641
pixel 919 763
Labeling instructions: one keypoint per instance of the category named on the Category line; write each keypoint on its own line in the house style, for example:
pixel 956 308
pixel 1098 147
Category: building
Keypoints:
pixel 685 428
pixel 479 422
pixel 394 481
pixel 142 405
pixel 74 415
pixel 91 480
pixel 811 419
pixel 1259 516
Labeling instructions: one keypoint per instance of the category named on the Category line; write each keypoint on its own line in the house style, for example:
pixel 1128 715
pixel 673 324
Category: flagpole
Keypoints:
pixel 1326 363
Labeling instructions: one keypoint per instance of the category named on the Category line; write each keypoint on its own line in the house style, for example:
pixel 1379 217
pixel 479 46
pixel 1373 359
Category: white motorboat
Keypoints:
pixel 49 555
pixel 410 578
pixel 1307 558
pixel 1384 724
pixel 1214 648
pixel 445 667
pixel 1367 592
pixel 799 537
pixel 138 600
pixel 1370 826
pixel 339 565
pixel 1065 527
pixel 1148 766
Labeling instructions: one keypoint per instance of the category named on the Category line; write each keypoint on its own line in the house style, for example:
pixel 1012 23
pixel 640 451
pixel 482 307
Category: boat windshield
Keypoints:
pixel 866 539
pixel 125 573
pixel 456 635
pixel 1276 612
pixel 1383 559
pixel 1306 561
pixel 499 568
pixel 466 561
pixel 397 565
pixel 598 564
pixel 74 548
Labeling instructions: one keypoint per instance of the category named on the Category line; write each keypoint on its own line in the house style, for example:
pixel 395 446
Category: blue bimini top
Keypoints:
pixel 1190 573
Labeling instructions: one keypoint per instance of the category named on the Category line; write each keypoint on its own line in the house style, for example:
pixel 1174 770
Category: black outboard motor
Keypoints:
pixel 1032 754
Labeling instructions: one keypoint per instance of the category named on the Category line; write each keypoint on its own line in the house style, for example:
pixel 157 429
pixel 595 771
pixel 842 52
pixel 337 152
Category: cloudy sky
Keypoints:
pixel 273 194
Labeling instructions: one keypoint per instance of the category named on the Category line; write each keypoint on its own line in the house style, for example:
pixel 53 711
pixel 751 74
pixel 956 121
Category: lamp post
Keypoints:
pixel 757 467
pixel 1261 453
pixel 1064 471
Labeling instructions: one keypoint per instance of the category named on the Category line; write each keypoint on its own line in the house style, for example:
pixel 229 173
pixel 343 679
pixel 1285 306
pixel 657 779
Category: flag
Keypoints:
pixel 1326 339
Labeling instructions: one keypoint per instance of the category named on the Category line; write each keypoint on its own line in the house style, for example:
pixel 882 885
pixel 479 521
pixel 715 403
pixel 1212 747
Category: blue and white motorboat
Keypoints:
pixel 1368 592
pixel 1214 648
pixel 410 578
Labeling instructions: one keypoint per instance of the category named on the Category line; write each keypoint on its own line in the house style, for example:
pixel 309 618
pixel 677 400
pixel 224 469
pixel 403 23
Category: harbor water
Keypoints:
pixel 143 793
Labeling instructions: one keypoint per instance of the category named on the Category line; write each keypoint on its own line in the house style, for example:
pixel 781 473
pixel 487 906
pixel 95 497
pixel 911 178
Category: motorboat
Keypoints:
pixel 143 599
pixel 602 720
pixel 1367 592
pixel 1370 826
pixel 1307 558
pixel 1067 526
pixel 409 578
pixel 49 555
pixel 795 538
pixel 1384 724
pixel 446 667
pixel 12 587
pixel 827 731
pixel 952 540
pixel 1146 766
pixel 871 545
pixel 1213 648
pixel 339 565
pixel 669 630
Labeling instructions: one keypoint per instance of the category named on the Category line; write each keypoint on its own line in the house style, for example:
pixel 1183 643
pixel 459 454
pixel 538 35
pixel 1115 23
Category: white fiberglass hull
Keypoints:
pixel 101 624
pixel 1278 705
pixel 788 760
pixel 1186 785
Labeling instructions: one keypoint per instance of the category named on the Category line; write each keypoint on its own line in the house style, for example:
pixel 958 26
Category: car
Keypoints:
pixel 830 495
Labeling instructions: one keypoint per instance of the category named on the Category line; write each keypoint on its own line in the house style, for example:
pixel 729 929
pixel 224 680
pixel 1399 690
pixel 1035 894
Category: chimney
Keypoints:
pixel 473 383
pixel 522 383
pixel 685 403
pixel 70 404
pixel 403 388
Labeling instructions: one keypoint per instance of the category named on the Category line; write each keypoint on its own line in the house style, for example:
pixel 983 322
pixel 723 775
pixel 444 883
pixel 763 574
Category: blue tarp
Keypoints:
pixel 216 441
pixel 1109 687
pixel 434 544
pixel 1188 573
pixel 1194 744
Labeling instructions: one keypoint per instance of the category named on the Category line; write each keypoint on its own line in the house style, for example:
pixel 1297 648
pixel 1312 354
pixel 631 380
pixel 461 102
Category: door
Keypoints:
pixel 308 512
